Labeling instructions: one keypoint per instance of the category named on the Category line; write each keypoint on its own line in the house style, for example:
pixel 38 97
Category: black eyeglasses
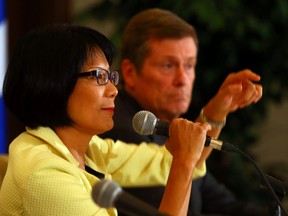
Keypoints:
pixel 102 76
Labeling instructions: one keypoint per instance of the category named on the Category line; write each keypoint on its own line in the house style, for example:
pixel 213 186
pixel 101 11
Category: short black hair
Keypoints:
pixel 43 71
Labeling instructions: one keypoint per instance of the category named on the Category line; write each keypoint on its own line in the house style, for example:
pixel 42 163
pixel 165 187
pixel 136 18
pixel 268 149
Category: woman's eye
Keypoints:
pixel 99 76
pixel 94 77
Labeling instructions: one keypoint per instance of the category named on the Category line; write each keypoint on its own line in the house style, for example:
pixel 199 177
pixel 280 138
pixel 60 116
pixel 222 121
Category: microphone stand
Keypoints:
pixel 274 186
pixel 279 189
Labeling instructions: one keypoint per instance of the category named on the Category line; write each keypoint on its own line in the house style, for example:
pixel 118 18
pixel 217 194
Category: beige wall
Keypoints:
pixel 272 146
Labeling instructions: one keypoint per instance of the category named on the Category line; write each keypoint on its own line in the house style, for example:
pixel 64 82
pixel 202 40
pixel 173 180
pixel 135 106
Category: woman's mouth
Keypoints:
pixel 109 109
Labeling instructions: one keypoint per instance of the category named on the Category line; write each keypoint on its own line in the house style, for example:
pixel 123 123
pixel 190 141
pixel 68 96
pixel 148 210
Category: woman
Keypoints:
pixel 58 83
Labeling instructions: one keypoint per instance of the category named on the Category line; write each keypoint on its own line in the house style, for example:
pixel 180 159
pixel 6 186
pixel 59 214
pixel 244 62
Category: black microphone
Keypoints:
pixel 146 123
pixel 107 194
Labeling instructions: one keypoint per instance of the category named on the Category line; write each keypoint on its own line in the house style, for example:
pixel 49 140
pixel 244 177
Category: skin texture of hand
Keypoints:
pixel 238 90
pixel 183 132
pixel 185 143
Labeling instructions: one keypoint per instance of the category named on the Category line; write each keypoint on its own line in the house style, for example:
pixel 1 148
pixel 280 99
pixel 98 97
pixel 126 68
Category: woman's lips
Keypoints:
pixel 110 109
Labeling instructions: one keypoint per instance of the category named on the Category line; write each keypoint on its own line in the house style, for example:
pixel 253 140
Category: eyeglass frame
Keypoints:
pixel 94 73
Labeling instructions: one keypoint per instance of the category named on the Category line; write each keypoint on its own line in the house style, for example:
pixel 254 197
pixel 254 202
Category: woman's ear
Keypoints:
pixel 129 73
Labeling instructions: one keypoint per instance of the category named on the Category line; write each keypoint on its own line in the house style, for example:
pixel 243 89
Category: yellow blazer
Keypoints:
pixel 44 179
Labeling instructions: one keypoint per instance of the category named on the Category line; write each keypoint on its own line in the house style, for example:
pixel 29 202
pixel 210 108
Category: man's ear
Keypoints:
pixel 129 73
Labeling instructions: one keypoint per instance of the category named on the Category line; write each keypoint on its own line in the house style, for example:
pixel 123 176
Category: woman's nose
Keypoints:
pixel 112 90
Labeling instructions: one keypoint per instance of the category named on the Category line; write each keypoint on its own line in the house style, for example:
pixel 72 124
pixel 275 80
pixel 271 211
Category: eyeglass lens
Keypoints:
pixel 103 76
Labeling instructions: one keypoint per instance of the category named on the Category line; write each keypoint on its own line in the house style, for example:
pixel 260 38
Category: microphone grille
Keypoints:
pixel 144 122
pixel 105 192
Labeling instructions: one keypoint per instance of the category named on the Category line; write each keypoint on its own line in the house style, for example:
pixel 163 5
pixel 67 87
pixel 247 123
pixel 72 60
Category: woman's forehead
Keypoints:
pixel 95 55
pixel 95 59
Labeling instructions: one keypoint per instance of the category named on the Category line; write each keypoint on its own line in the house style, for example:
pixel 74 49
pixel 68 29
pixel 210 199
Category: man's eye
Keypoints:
pixel 189 66
pixel 167 65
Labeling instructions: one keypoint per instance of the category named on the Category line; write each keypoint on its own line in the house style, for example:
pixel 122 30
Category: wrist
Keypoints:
pixel 215 124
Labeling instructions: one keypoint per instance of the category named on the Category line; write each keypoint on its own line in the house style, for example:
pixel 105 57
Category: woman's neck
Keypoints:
pixel 76 142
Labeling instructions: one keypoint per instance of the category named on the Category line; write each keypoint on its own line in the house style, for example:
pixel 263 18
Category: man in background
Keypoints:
pixel 158 60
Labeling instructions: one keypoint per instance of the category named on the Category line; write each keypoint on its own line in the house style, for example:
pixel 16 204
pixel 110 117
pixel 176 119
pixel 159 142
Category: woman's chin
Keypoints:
pixel 108 127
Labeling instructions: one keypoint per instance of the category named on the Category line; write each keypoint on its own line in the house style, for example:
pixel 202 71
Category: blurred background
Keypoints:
pixel 233 35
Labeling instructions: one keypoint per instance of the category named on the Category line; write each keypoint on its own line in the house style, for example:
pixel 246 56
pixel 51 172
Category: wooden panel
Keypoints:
pixel 23 16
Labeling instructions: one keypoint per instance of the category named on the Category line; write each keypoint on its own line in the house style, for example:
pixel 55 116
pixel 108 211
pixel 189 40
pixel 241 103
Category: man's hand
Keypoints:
pixel 237 91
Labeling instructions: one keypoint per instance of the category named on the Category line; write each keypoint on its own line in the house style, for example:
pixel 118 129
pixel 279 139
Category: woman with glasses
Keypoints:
pixel 60 85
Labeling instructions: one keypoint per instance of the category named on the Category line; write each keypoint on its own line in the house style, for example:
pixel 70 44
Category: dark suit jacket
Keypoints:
pixel 207 196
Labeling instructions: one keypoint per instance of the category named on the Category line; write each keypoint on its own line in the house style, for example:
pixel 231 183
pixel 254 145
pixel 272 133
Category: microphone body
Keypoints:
pixel 146 123
pixel 107 194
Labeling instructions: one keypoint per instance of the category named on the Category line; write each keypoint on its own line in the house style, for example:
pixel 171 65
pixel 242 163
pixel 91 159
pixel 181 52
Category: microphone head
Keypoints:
pixel 105 192
pixel 144 122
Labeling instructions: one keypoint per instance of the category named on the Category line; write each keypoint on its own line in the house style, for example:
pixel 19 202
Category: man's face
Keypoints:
pixel 164 84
